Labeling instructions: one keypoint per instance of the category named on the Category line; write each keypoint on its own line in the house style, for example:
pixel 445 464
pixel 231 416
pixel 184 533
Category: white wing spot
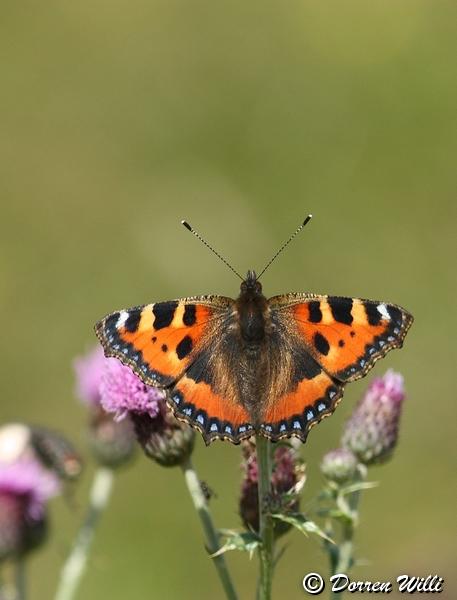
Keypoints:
pixel 382 308
pixel 124 315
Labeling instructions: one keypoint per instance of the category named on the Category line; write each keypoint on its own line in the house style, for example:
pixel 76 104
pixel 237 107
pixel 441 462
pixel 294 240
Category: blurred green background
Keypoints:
pixel 119 119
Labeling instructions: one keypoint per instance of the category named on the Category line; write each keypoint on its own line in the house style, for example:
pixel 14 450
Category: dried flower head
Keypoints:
pixel 25 488
pixel 287 480
pixel 339 466
pixel 371 433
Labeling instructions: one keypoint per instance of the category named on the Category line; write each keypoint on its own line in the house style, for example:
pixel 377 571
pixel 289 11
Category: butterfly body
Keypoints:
pixel 275 367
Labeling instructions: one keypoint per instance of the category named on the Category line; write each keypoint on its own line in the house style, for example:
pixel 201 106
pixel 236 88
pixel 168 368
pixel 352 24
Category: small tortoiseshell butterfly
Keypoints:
pixel 234 368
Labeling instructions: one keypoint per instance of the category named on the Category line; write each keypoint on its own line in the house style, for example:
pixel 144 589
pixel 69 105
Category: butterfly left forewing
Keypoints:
pixel 183 346
pixel 345 335
pixel 158 341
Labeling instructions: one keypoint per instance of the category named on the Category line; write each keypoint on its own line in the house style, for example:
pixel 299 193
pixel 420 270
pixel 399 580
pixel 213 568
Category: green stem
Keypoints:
pixel 343 558
pixel 75 565
pixel 20 579
pixel 266 528
pixel 212 538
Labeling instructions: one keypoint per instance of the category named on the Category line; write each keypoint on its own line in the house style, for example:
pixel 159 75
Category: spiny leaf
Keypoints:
pixel 234 540
pixel 304 525
pixel 359 486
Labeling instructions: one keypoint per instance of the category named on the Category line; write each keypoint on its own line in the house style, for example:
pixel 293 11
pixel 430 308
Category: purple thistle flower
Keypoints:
pixel 27 479
pixel 122 392
pixel 111 442
pixel 25 488
pixel 371 433
pixel 89 370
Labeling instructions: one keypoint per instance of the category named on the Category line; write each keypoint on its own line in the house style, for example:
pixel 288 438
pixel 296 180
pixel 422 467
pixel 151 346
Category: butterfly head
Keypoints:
pixel 251 285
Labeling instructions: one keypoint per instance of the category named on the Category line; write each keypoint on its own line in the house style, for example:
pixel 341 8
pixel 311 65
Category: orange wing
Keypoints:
pixel 215 416
pixel 173 345
pixel 294 413
pixel 158 341
pixel 346 336
pixel 329 341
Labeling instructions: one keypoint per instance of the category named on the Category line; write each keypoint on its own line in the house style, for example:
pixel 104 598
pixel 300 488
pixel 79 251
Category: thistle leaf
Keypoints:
pixel 304 525
pixel 359 486
pixel 234 540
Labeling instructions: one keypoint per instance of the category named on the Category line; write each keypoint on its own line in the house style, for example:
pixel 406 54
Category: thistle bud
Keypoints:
pixel 112 442
pixel 287 479
pixel 371 432
pixel 339 465
pixel 163 438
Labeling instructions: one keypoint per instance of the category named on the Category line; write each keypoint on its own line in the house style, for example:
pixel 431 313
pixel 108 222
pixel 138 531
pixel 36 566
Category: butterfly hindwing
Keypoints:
pixel 345 335
pixel 215 416
pixel 294 413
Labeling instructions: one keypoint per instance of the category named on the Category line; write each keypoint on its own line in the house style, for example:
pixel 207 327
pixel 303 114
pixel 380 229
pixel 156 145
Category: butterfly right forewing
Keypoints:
pixel 346 336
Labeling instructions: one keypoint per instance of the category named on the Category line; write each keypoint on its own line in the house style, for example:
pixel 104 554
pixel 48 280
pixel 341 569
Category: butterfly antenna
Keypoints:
pixel 198 236
pixel 296 232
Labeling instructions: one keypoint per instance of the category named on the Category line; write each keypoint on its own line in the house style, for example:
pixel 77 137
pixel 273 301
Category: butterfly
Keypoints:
pixel 232 368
